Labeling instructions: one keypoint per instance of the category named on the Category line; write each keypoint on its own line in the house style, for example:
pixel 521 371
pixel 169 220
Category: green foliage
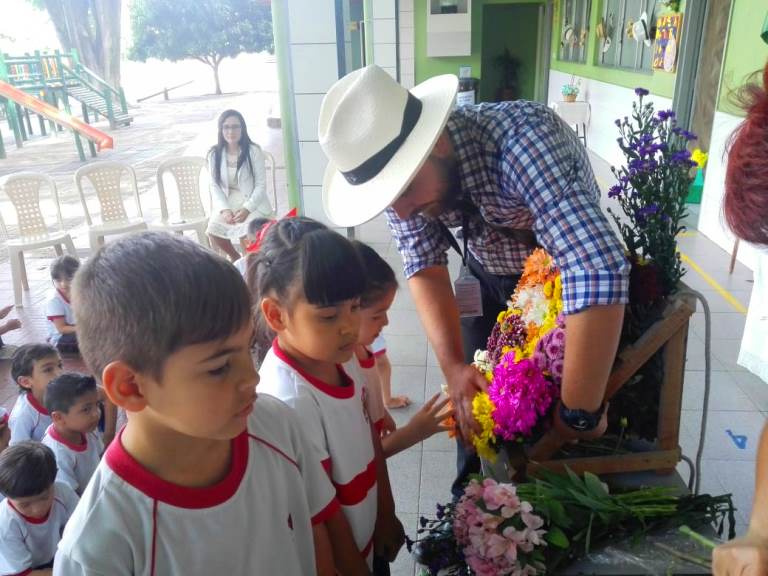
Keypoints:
pixel 207 30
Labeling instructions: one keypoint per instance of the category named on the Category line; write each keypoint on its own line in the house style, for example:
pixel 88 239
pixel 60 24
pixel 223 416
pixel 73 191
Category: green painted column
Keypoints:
pixel 287 110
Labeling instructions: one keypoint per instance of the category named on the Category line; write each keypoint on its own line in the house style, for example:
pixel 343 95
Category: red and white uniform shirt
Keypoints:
pixel 28 543
pixel 57 306
pixel 257 520
pixel 29 419
pixel 76 462
pixel 372 384
pixel 337 423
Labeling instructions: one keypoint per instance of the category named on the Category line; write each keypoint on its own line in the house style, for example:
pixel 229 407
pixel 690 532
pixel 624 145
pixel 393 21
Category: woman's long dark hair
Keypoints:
pixel 245 146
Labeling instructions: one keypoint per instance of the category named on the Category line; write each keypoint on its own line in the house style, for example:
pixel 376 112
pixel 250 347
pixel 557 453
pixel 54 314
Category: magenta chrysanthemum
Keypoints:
pixel 521 394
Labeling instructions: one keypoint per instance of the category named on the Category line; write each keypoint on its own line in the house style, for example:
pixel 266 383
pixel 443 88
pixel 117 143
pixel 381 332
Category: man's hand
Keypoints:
pixel 568 434
pixel 388 537
pixel 745 556
pixel 464 382
pixel 241 215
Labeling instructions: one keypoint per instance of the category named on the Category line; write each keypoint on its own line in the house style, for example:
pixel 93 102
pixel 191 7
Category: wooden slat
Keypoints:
pixel 638 462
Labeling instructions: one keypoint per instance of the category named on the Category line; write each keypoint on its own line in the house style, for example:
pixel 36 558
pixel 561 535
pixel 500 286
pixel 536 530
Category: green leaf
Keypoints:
pixel 595 486
pixel 557 538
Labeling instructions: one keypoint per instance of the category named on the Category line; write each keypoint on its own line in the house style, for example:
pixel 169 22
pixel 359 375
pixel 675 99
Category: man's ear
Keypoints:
pixel 121 384
pixel 273 313
pixel 443 147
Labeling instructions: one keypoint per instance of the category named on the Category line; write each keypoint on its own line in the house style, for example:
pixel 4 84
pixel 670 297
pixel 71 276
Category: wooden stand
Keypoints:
pixel 669 334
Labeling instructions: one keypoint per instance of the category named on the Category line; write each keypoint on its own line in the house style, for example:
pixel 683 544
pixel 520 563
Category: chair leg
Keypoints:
pixel 95 241
pixel 202 236
pixel 23 269
pixel 59 251
pixel 16 278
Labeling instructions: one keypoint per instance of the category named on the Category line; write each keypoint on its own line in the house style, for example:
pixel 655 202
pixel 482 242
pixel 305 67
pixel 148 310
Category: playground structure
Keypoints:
pixel 44 84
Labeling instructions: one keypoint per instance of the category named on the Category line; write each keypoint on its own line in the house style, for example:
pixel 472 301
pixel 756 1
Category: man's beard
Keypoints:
pixel 450 187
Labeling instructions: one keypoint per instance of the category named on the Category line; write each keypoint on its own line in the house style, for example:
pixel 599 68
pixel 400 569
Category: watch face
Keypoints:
pixel 581 424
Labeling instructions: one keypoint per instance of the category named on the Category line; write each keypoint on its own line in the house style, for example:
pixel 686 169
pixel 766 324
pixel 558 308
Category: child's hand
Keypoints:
pixel 388 425
pixel 14 324
pixel 388 537
pixel 745 556
pixel 429 420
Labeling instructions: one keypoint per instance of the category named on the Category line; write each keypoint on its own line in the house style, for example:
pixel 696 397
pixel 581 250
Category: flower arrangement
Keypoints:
pixel 652 187
pixel 700 157
pixel 571 90
pixel 498 529
pixel 523 362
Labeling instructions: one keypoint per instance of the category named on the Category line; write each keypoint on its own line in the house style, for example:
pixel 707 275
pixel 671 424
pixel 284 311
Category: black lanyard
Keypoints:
pixel 464 234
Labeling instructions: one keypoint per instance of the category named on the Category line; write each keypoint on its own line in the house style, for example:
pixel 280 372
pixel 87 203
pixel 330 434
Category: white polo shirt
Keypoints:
pixel 27 543
pixel 372 382
pixel 76 462
pixel 257 520
pixel 56 306
pixel 337 424
pixel 29 419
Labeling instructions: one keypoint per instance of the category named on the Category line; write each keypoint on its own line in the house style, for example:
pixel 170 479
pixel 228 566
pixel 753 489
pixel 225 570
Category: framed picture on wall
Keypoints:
pixel 668 28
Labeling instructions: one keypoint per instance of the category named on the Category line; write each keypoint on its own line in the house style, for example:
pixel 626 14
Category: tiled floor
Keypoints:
pixel 421 476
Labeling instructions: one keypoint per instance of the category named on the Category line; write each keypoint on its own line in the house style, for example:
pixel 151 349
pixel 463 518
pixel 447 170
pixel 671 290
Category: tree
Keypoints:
pixel 206 30
pixel 92 27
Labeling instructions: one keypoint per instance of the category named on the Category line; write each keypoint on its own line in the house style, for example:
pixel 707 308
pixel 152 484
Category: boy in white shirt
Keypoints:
pixel 73 402
pixel 58 310
pixel 33 367
pixel 35 511
pixel 205 478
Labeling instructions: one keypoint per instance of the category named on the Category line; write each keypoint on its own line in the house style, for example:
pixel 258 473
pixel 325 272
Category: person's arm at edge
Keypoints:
pixel 388 531
pixel 346 556
pixel 62 327
pixel 323 551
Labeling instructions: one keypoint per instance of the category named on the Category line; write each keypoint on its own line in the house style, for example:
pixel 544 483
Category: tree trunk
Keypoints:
pixel 215 67
pixel 108 18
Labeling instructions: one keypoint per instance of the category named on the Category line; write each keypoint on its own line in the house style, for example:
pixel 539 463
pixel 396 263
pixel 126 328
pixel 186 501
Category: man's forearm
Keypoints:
pixel 591 341
pixel 759 521
pixel 433 294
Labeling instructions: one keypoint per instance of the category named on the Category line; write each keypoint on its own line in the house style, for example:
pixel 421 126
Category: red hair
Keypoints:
pixel 746 179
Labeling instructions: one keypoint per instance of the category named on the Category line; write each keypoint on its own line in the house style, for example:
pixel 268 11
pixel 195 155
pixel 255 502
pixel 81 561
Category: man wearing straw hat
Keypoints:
pixel 509 176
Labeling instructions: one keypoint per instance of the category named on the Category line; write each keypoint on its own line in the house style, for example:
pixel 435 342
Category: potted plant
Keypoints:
pixel 571 90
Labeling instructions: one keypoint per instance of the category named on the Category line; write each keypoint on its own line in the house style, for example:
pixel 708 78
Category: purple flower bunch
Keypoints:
pixel 508 333
pixel 521 395
pixel 549 355
pixel 498 532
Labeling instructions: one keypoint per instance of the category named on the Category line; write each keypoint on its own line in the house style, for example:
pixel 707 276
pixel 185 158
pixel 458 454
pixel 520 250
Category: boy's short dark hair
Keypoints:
pixel 64 267
pixel 25 357
pixel 26 469
pixel 145 296
pixel 64 391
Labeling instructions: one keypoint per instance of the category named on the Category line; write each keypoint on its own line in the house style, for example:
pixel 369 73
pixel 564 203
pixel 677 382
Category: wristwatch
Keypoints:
pixel 581 420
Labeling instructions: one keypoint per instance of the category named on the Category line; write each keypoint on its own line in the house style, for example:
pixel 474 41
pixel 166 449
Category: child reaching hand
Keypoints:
pixel 306 281
pixel 377 297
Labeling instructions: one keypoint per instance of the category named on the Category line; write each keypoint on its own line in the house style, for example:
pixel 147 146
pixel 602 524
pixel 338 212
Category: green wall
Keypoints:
pixel 428 67
pixel 658 82
pixel 745 51
pixel 515 27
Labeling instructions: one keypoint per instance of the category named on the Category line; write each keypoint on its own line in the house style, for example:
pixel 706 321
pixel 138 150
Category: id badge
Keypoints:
pixel 468 294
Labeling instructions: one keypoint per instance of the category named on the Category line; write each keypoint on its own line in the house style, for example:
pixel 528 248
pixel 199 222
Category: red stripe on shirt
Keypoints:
pixel 368 362
pixel 53 433
pixel 275 448
pixel 327 466
pixel 379 425
pixel 52 318
pixel 27 571
pixel 343 392
pixel 380 353
pixel 355 491
pixel 324 514
pixel 30 519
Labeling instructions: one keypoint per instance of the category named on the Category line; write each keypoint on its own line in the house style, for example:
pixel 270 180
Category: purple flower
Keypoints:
pixel 680 157
pixel 615 191
pixel 641 92
pixel 617 122
pixel 665 115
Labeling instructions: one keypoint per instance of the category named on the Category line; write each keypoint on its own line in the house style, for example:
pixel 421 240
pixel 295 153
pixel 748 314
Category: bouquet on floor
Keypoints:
pixel 523 362
pixel 498 529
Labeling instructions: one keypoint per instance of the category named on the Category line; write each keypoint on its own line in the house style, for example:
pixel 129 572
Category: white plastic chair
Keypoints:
pixel 23 190
pixel 186 173
pixel 105 178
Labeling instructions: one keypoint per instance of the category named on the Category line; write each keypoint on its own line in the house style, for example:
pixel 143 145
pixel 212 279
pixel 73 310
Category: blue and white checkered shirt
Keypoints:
pixel 523 167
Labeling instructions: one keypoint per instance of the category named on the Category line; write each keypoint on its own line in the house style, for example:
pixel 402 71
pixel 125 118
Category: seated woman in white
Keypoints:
pixel 238 192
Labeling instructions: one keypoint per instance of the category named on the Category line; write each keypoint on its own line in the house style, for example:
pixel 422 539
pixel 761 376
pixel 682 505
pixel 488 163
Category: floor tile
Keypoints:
pixel 725 393
pixel 696 358
pixel 438 469
pixel 727 352
pixel 738 478
pixel 404 476
pixel 408 350
pixel 726 431
pixel 725 325
pixel 404 322
pixel 403 565
pixel 754 387
pixel 408 380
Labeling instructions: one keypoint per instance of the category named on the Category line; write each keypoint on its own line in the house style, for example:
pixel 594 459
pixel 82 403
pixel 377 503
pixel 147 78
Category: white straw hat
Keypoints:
pixel 376 135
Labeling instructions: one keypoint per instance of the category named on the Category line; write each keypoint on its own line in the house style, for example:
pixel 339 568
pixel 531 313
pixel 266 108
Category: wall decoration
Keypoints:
pixel 668 29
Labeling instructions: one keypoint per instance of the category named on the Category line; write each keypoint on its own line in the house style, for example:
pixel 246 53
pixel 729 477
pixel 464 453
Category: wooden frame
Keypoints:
pixel 669 334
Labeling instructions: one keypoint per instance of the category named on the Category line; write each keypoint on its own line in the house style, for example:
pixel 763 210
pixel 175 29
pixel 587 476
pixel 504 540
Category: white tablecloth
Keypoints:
pixel 573 112
pixel 754 344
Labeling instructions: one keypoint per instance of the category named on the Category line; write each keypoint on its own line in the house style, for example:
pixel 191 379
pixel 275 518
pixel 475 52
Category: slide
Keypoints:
pixel 101 139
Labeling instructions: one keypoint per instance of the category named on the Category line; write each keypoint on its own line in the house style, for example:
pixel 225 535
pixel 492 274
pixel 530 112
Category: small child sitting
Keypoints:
pixel 6 350
pixel 61 328
pixel 5 431
pixel 33 367
pixel 205 477
pixel 35 510
pixel 252 241
pixel 73 402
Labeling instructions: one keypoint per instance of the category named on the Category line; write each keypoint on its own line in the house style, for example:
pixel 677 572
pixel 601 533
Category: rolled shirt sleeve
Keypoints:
pixel 420 241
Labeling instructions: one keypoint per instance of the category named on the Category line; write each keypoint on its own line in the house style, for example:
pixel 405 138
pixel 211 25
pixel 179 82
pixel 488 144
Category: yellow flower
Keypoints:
pixel 501 317
pixel 482 410
pixel 700 157
pixel 549 288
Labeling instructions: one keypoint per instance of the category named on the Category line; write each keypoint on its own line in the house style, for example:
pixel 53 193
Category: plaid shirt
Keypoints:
pixel 522 167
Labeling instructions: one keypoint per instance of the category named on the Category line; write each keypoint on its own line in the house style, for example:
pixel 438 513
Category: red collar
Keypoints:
pixel 341 392
pixel 132 472
pixel 53 433
pixel 368 362
pixel 36 405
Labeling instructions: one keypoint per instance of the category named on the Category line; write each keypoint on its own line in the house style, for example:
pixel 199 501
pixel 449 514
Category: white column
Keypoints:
pixel 407 39
pixel 385 35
